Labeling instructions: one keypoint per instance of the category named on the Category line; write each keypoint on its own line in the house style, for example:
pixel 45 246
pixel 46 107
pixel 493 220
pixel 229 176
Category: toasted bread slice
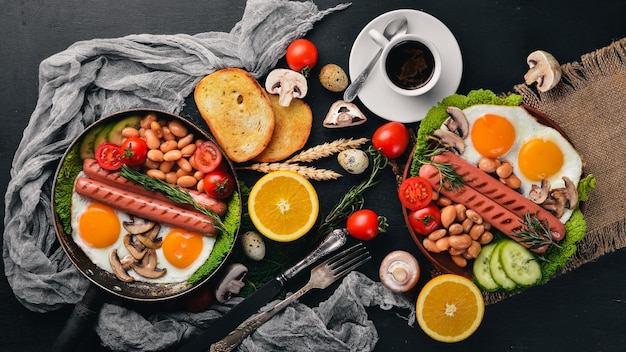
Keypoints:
pixel 238 112
pixel 292 126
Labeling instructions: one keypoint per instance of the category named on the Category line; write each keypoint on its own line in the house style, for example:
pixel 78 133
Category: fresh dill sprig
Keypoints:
pixel 175 194
pixel 353 199
pixel 534 232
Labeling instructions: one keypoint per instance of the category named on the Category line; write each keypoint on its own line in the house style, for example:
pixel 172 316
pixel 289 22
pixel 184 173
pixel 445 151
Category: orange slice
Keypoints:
pixel 283 205
pixel 450 308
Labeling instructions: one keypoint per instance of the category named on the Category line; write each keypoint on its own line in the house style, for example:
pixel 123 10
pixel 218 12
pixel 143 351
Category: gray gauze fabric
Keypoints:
pixel 98 77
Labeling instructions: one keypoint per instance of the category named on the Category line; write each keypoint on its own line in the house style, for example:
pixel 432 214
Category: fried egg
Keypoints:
pixel 536 151
pixel 98 229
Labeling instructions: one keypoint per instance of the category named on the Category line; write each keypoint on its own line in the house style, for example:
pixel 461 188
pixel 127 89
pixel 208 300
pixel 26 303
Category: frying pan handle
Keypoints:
pixel 82 318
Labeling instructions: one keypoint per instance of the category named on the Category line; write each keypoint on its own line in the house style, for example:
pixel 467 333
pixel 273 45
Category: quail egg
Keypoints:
pixel 355 161
pixel 253 245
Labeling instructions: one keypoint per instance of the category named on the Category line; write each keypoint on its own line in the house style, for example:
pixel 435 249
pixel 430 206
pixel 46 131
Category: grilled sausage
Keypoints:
pixel 112 178
pixel 501 193
pixel 145 207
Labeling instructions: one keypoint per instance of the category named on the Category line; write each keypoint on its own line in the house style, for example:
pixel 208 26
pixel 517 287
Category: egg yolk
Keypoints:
pixel 99 226
pixel 539 159
pixel 492 135
pixel 182 247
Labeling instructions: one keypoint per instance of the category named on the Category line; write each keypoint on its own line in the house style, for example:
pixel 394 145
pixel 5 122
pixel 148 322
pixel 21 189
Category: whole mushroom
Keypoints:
pixel 399 271
pixel 544 70
pixel 288 84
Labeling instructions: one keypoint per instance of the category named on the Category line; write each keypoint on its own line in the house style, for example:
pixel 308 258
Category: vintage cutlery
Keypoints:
pixel 397 26
pixel 251 305
pixel 322 276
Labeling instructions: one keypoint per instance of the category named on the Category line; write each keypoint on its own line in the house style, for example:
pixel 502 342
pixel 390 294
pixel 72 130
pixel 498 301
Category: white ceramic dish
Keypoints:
pixel 383 101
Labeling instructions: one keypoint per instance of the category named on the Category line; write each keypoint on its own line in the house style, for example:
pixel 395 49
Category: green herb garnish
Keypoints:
pixel 353 199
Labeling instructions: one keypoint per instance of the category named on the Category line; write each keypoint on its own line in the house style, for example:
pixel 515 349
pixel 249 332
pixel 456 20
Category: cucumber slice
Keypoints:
pixel 115 134
pixel 497 272
pixel 87 144
pixel 102 136
pixel 482 272
pixel 519 264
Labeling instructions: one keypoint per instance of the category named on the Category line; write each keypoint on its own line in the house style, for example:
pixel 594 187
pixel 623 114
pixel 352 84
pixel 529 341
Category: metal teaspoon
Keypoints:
pixel 397 26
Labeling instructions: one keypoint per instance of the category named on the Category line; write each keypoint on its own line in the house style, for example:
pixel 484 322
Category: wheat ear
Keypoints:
pixel 326 149
pixel 306 171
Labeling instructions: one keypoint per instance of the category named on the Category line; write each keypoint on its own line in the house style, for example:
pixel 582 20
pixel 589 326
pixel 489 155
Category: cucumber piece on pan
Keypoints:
pixel 497 272
pixel 482 271
pixel 87 145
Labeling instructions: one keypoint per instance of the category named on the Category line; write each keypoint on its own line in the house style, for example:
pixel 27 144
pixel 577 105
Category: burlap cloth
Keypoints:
pixel 588 104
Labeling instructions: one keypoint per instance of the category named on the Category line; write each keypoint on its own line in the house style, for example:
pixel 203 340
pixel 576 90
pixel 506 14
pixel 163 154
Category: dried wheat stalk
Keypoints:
pixel 326 149
pixel 306 171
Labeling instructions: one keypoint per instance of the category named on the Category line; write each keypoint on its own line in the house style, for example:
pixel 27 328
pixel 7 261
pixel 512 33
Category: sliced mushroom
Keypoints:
pixel 136 249
pixel 569 192
pixel 138 225
pixel 119 268
pixel 457 122
pixel 539 194
pixel 231 283
pixel 544 69
pixel 399 271
pixel 148 266
pixel 450 139
pixel 555 204
pixel 343 114
pixel 288 84
pixel 149 239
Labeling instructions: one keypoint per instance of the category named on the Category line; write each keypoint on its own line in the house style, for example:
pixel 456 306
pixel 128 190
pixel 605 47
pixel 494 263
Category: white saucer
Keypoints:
pixel 377 96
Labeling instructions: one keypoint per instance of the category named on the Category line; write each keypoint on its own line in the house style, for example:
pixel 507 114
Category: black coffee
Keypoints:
pixel 410 64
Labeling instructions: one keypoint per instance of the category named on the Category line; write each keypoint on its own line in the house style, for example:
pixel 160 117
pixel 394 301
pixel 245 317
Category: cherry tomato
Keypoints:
pixel 391 139
pixel 199 299
pixel 219 184
pixel 425 220
pixel 301 55
pixel 363 224
pixel 207 157
pixel 415 193
pixel 109 156
pixel 134 151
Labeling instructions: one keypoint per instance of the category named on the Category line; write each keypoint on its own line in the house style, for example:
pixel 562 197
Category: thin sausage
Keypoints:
pixel 499 217
pixel 501 193
pixel 112 178
pixel 144 207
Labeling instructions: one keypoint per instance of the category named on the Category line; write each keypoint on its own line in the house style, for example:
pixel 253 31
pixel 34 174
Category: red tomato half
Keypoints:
pixel 415 193
pixel 219 184
pixel 425 220
pixel 301 54
pixel 391 139
pixel 109 156
pixel 207 157
pixel 134 151
pixel 363 224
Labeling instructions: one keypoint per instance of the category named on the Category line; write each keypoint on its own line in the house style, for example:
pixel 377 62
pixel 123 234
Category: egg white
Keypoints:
pixel 526 128
pixel 100 256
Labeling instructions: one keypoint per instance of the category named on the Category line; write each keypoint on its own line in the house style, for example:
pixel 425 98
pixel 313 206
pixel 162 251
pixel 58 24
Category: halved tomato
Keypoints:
pixel 109 156
pixel 207 157
pixel 415 193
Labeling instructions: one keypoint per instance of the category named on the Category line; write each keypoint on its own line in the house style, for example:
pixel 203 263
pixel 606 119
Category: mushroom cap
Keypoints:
pixel 399 271
pixel 343 114
pixel 231 283
pixel 288 84
pixel 450 139
pixel 544 69
pixel 457 121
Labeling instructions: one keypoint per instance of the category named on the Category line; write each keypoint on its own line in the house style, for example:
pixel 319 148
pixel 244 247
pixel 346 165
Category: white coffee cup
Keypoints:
pixel 410 64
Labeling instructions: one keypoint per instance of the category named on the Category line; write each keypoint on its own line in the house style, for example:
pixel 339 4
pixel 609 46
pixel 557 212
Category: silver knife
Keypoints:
pixel 253 303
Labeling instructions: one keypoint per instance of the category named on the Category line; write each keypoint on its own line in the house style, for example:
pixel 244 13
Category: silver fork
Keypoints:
pixel 322 276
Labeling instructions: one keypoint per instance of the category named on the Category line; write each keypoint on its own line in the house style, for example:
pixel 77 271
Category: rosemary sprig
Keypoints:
pixel 175 194
pixel 449 179
pixel 534 232
pixel 353 199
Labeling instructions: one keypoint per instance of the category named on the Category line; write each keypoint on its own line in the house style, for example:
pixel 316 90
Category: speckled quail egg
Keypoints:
pixel 355 161
pixel 253 245
pixel 333 78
